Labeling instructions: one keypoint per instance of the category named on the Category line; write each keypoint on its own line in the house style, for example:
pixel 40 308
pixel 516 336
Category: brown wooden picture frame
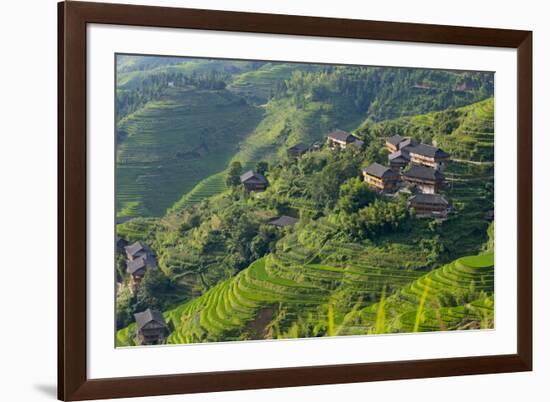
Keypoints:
pixel 73 383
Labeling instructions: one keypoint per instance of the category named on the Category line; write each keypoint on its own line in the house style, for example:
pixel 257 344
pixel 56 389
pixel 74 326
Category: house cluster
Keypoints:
pixel 416 166
pixel 413 165
pixel 151 327
pixel 256 182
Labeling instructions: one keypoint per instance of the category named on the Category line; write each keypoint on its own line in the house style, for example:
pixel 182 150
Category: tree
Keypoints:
pixel 262 167
pixel 125 307
pixel 378 218
pixel 152 288
pixel 264 241
pixel 233 175
pixel 354 195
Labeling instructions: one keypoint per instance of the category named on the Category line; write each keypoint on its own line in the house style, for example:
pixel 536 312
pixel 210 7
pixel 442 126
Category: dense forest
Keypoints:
pixel 357 262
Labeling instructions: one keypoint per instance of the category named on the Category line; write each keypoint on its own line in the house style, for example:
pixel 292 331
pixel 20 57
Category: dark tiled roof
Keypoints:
pixel 423 172
pixel 342 135
pixel 134 248
pixel 378 170
pixel 136 265
pixel 407 142
pixel 253 175
pixel 430 199
pixel 398 155
pixel 428 151
pixel 145 317
pixel 299 147
pixel 395 139
pixel 284 221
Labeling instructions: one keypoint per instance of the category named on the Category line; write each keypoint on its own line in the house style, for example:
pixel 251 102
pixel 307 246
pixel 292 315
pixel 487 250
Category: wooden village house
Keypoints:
pixel 392 143
pixel 429 156
pixel 397 143
pixel 424 179
pixel 429 205
pixel 398 160
pixel 135 250
pixel 140 259
pixel 297 150
pixel 340 139
pixel 136 268
pixel 381 178
pixel 253 181
pixel 151 327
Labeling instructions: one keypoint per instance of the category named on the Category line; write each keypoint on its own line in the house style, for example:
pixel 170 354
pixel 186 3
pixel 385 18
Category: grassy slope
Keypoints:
pixel 175 142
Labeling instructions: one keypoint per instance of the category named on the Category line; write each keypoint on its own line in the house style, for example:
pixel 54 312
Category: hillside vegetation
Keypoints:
pixel 271 299
pixel 173 143
pixel 357 262
pixel 173 114
pixel 346 254
pixel 465 132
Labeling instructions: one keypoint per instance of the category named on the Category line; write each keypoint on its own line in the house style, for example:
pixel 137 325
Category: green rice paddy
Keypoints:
pixel 174 143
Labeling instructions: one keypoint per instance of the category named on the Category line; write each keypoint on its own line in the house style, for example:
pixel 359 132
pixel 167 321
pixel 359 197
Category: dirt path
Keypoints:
pixel 258 326
pixel 473 162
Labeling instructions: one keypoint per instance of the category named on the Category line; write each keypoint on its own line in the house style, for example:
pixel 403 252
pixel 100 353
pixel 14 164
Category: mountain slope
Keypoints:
pixel 161 96
pixel 173 143
pixel 209 240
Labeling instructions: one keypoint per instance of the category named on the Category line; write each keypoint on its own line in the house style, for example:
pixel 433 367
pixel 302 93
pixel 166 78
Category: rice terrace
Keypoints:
pixel 273 200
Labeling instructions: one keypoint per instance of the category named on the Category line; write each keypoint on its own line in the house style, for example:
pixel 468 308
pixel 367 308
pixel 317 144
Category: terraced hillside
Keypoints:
pixel 356 262
pixel 473 139
pixel 315 280
pixel 268 298
pixel 258 85
pixel 415 92
pixel 289 293
pixel 285 124
pixel 206 188
pixel 300 103
pixel 466 132
pixel 458 295
pixel 174 143
pixel 133 71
